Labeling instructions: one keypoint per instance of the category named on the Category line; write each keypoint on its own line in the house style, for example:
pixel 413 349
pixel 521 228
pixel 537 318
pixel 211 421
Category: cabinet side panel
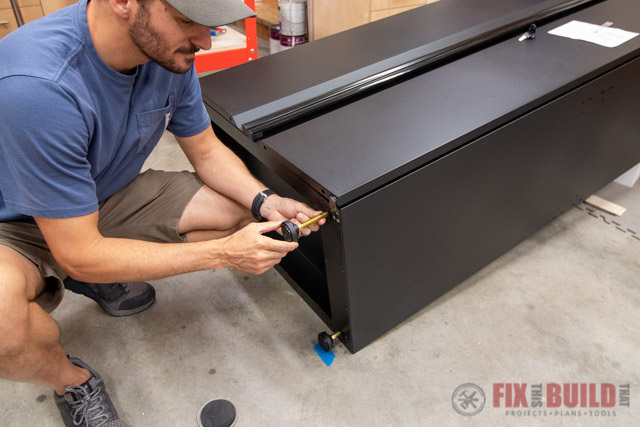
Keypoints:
pixel 416 238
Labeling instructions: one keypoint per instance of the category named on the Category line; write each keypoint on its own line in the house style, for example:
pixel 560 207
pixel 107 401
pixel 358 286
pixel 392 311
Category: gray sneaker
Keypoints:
pixel 117 299
pixel 87 404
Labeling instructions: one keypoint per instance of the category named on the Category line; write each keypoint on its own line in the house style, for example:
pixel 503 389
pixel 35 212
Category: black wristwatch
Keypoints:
pixel 258 201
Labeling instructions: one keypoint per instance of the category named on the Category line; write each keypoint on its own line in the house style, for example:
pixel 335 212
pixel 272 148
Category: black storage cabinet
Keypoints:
pixel 434 173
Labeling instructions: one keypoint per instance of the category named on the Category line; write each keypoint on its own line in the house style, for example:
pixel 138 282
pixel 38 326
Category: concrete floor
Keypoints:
pixel 561 307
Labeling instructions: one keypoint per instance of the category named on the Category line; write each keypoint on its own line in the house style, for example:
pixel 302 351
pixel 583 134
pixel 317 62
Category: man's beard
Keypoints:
pixel 153 46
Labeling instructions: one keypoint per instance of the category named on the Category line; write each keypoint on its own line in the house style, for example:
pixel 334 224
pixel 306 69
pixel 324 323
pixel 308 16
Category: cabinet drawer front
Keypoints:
pixel 49 6
pixel 27 3
pixel 7 15
pixel 394 4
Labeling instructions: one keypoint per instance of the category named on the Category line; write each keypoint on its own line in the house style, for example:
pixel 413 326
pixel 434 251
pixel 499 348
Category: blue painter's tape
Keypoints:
pixel 326 356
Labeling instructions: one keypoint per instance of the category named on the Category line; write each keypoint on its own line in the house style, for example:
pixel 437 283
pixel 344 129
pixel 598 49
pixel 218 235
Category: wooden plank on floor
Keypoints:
pixel 605 205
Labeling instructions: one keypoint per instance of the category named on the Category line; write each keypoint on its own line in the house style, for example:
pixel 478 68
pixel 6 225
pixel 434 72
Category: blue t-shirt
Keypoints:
pixel 72 130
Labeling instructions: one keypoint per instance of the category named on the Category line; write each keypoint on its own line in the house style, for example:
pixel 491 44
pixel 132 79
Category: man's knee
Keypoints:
pixel 14 308
pixel 211 211
pixel 19 285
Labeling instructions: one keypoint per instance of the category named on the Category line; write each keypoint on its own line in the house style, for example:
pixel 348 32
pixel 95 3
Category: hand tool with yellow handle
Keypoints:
pixel 291 231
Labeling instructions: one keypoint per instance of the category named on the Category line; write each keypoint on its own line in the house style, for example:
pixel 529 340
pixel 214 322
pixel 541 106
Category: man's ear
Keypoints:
pixel 124 8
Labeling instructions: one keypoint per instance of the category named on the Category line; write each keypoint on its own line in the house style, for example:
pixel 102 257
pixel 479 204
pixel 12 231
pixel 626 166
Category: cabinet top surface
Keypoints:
pixel 363 145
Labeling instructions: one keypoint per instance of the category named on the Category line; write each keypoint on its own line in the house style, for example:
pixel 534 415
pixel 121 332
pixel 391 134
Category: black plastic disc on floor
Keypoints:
pixel 217 413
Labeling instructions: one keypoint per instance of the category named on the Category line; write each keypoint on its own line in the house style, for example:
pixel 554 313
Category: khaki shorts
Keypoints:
pixel 148 208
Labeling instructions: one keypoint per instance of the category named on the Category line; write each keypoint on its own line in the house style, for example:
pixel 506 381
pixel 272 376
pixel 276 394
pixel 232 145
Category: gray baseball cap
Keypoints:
pixel 213 13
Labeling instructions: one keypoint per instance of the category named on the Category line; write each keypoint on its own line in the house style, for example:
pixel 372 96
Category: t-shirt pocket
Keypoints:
pixel 151 126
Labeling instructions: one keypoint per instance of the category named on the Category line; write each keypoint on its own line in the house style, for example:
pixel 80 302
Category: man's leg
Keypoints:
pixel 210 215
pixel 30 349
pixel 154 198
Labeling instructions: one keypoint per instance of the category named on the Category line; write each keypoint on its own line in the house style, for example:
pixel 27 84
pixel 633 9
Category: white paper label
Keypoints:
pixel 598 34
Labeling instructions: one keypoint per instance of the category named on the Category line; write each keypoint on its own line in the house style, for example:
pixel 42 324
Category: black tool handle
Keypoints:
pixel 290 231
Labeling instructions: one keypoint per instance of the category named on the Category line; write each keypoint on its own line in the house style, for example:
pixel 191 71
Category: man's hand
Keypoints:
pixel 276 208
pixel 250 251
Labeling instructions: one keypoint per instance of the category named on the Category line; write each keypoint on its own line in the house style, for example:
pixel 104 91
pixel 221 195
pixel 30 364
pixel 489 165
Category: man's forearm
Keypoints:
pixel 125 260
pixel 86 255
pixel 220 168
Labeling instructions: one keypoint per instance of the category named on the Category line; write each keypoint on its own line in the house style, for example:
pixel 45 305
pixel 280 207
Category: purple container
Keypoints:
pixel 287 42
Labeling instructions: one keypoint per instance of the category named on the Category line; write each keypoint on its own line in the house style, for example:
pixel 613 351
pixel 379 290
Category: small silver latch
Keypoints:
pixel 531 34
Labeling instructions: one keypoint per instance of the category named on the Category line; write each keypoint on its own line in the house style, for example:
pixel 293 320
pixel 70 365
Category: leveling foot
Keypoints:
pixel 291 231
pixel 326 341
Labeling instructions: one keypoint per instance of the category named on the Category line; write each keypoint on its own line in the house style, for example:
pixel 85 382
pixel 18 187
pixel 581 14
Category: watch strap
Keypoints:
pixel 258 201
